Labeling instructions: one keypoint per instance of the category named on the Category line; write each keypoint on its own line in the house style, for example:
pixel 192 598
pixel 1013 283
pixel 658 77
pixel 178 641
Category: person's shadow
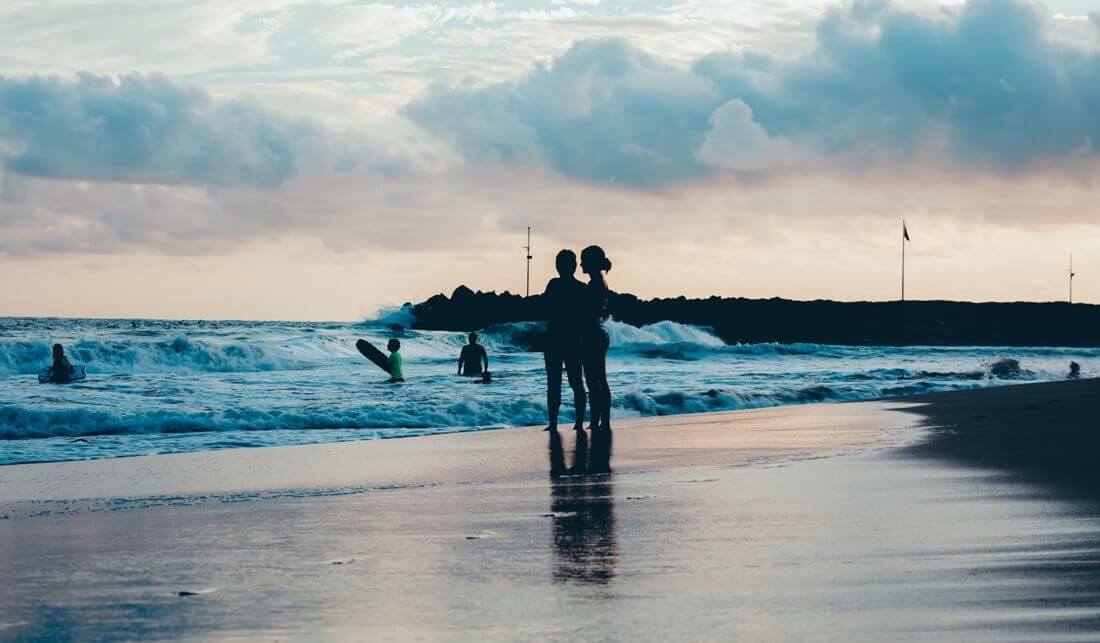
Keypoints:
pixel 586 548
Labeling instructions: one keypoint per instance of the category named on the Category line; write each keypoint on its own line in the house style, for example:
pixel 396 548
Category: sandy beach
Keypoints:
pixel 290 290
pixel 963 515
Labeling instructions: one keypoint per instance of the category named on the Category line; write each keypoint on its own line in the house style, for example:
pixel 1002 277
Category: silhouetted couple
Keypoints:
pixel 575 338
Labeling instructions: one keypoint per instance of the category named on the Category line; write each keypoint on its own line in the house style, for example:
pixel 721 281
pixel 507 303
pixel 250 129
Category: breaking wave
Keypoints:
pixel 220 384
pixel 172 354
pixel 648 402
pixel 21 423
pixel 18 422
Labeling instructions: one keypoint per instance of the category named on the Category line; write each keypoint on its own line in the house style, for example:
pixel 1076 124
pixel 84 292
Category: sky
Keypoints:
pixel 281 159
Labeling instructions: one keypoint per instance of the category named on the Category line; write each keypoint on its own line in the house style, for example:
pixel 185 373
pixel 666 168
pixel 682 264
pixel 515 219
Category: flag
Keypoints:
pixel 904 231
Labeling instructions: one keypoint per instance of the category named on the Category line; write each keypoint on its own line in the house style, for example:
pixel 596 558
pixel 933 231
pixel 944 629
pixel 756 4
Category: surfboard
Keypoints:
pixel 373 354
pixel 45 376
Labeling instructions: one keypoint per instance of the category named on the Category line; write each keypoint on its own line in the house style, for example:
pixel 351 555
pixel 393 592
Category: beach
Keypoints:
pixel 807 293
pixel 970 514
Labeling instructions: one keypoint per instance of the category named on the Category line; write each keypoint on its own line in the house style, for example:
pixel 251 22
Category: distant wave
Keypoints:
pixel 396 317
pixel 262 347
pixel 902 374
pixel 664 332
pixel 649 402
pixel 683 342
pixel 171 354
pixel 662 339
pixel 514 337
pixel 23 423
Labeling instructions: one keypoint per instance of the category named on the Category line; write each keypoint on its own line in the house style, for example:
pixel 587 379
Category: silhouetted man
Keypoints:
pixel 473 359
pixel 564 300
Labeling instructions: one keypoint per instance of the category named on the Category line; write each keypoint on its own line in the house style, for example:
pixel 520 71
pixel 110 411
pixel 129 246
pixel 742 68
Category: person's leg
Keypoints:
pixel 601 394
pixel 576 383
pixel 580 455
pixel 599 454
pixel 557 456
pixel 605 388
pixel 592 374
pixel 553 386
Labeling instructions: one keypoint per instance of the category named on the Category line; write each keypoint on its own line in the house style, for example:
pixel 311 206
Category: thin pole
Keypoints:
pixel 903 259
pixel 528 249
pixel 1071 275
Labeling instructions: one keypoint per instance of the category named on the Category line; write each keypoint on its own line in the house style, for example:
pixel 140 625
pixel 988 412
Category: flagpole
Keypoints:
pixel 528 249
pixel 1071 277
pixel 903 259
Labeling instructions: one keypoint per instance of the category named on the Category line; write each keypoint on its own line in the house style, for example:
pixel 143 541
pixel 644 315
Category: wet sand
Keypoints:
pixel 336 468
pixel 821 522
pixel 1046 434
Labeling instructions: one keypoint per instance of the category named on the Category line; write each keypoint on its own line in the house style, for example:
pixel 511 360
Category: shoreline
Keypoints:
pixel 727 438
pixel 721 438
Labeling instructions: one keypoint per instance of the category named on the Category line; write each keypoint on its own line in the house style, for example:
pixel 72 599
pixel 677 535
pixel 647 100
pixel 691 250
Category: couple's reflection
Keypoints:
pixel 586 547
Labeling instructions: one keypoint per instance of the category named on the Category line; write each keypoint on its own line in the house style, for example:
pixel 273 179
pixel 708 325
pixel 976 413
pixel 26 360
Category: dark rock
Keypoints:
pixel 738 320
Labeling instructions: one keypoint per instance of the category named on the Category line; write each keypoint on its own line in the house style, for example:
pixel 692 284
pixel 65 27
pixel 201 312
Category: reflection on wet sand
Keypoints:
pixel 586 547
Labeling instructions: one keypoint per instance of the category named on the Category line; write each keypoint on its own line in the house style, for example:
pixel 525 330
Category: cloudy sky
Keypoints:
pixel 282 159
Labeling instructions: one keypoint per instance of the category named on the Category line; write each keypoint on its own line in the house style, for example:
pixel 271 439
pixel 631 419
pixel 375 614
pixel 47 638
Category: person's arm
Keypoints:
pixel 598 294
pixel 485 359
pixel 548 299
pixel 461 355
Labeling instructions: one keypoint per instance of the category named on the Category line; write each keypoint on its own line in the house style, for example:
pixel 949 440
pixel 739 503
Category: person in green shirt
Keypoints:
pixel 397 365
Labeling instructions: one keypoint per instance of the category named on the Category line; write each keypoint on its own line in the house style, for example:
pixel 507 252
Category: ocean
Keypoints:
pixel 176 386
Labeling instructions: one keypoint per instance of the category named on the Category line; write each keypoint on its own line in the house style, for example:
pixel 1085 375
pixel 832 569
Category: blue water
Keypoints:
pixel 173 386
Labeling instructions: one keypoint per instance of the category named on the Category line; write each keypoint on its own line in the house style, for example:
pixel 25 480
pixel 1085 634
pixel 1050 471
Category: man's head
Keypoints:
pixel 1074 367
pixel 58 351
pixel 566 263
pixel 393 345
pixel 472 337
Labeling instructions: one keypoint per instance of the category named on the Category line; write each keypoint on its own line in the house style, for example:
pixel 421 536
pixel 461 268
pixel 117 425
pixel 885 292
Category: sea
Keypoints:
pixel 177 386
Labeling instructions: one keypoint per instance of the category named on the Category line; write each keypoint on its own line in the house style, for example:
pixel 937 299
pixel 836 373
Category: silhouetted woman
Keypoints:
pixel 594 340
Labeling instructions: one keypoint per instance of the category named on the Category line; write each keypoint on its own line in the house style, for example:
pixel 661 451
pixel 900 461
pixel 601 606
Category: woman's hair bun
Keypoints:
pixel 594 257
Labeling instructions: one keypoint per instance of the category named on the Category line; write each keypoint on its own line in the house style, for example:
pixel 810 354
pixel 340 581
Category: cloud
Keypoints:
pixel 347 212
pixel 984 87
pixel 146 129
pixel 1094 18
pixel 737 142
pixel 603 111
pixel 93 164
